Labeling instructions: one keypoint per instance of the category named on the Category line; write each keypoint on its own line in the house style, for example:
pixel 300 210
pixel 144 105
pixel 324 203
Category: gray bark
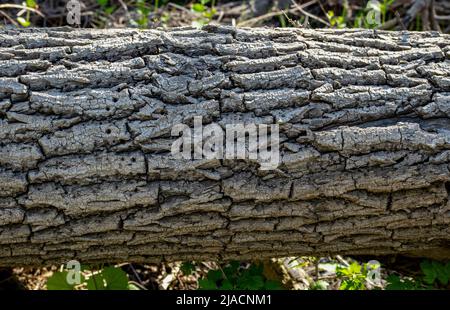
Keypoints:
pixel 86 173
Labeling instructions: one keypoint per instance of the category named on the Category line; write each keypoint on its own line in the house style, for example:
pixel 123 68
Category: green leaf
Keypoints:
pixel 235 264
pixel 352 285
pixel 272 285
pixel 214 275
pixel 102 2
pixel 96 283
pixel 354 268
pixel 226 285
pixel 116 278
pixel 256 283
pixel 210 13
pixel 198 7
pixel 31 4
pixel 428 271
pixel 110 9
pixel 256 269
pixel 132 287
pixel 441 272
pixel 23 22
pixel 206 284
pixel 86 267
pixel 229 271
pixel 187 268
pixel 447 269
pixel 319 285
pixel 58 282
pixel 250 282
pixel 395 283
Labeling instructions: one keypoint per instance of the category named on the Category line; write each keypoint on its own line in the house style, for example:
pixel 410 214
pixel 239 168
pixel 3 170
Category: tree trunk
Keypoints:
pixel 85 136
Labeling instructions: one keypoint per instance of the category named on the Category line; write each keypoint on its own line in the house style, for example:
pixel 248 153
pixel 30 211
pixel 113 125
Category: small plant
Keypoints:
pixel 319 285
pixel 337 21
pixel 187 268
pixel 384 8
pixel 436 275
pixel 206 13
pixel 87 278
pixel 374 14
pixel 234 277
pixel 29 5
pixel 355 276
pixel 394 282
pixel 143 11
pixel 106 8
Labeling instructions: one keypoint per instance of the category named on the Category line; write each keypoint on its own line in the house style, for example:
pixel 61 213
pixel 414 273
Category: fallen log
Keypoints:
pixel 86 119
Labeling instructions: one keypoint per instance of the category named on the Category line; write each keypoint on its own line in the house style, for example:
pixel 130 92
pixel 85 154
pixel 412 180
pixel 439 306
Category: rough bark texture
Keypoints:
pixel 86 173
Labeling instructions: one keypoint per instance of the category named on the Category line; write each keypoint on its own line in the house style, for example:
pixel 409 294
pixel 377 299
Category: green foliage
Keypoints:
pixel 355 276
pixel 366 17
pixel 337 21
pixel 25 22
pixel 394 282
pixel 205 12
pixel 58 282
pixel 105 7
pixel 187 268
pixel 235 277
pixel 143 10
pixel 384 8
pixel 102 3
pixel 435 275
pixel 108 278
pixel 31 3
pixel 283 22
pixel 319 285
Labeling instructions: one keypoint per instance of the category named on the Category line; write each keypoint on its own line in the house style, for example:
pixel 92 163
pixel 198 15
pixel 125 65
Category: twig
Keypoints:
pixel 16 6
pixel 400 21
pixel 300 8
pixel 418 5
pixel 125 8
pixel 181 8
pixel 136 274
pixel 389 24
pixel 342 261
pixel 442 17
pixel 9 18
pixel 253 21
pixel 433 16
pixel 139 285
pixel 316 269
pixel 426 17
